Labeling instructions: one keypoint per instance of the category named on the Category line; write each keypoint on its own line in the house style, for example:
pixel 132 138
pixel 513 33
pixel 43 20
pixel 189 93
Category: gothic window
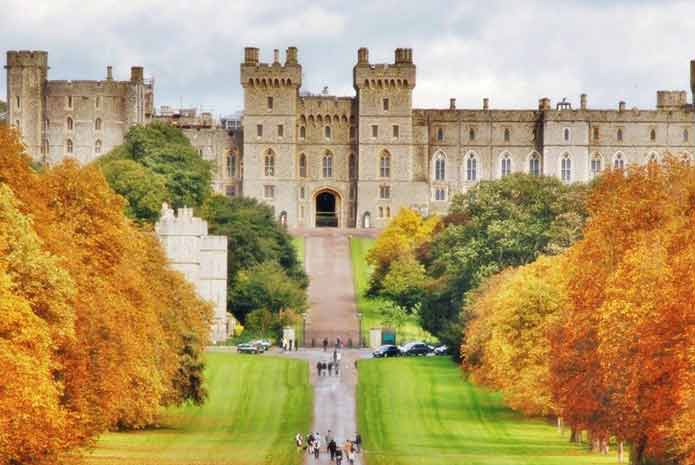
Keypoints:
pixel 327 165
pixel 18 102
pixel 566 168
pixel 97 102
pixel 596 165
pixel 270 103
pixel 231 166
pixel 259 130
pixel 652 135
pixel 384 192
pixel 396 131
pixel 507 135
pixel 440 194
pixel 385 165
pixel 386 104
pixel 70 124
pixel 506 165
pixel 440 134
pixel 97 147
pixel 471 134
pixel 269 163
pixel 269 192
pixel 281 130
pixel 352 167
pixel 69 100
pixel 471 168
pixel 302 166
pixel 375 130
pixel 566 134
pixel 97 124
pixel 534 165
pixel 685 135
pixel 440 167
pixel 619 135
pixel 327 132
pixel 302 132
pixel 69 146
pixel 618 162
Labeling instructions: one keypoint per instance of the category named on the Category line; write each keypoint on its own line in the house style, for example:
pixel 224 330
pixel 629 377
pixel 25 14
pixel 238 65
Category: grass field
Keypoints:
pixel 421 412
pixel 298 242
pixel 359 247
pixel 256 405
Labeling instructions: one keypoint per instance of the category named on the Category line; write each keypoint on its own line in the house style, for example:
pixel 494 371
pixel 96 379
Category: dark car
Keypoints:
pixel 247 348
pixel 261 344
pixel 387 351
pixel 416 348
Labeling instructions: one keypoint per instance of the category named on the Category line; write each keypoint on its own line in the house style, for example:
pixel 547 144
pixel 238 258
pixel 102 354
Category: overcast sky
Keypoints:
pixel 512 51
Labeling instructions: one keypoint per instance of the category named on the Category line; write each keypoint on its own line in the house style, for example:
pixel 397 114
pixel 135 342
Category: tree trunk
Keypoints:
pixel 559 425
pixel 575 436
pixel 604 446
pixel 637 451
pixel 621 451
pixel 595 445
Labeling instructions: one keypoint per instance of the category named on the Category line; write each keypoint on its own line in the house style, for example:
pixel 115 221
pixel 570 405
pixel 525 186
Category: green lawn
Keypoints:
pixel 298 242
pixel 256 406
pixel 421 412
pixel 369 307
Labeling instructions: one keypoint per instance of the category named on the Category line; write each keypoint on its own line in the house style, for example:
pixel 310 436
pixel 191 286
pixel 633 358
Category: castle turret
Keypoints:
pixel 27 72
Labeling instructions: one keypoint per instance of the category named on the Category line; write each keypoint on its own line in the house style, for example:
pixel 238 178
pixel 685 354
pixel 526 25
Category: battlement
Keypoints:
pixel 254 73
pixel 399 74
pixel 27 58
pixel 180 223
pixel 671 99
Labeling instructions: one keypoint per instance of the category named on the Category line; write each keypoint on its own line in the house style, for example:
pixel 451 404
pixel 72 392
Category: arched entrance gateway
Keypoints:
pixel 327 208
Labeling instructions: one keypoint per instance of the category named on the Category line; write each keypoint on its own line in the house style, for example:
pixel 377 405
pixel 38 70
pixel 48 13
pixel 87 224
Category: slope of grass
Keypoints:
pixel 298 242
pixel 421 412
pixel 255 407
pixel 369 306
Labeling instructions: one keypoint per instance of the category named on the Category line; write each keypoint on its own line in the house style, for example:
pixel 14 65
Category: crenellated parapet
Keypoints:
pixel 255 74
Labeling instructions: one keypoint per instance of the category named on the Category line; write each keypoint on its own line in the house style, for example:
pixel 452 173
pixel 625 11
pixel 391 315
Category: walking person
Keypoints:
pixel 332 448
pixel 325 344
pixel 299 440
pixel 330 368
pixel 358 442
pixel 339 356
pixel 318 368
pixel 338 455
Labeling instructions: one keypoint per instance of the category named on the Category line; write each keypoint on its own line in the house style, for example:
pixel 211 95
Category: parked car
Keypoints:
pixel 262 344
pixel 387 351
pixel 247 348
pixel 441 350
pixel 415 349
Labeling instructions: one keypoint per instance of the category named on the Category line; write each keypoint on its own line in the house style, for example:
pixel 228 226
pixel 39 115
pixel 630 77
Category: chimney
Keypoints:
pixel 544 104
pixel 250 56
pixel 291 56
pixel 363 56
pixel 621 106
pixel 276 57
pixel 137 74
pixel 486 103
pixel 452 104
pixel 109 73
pixel 692 79
pixel 582 102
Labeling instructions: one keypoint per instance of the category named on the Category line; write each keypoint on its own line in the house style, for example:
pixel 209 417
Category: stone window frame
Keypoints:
pixel 471 133
pixel 375 131
pixel 439 169
pixel 69 146
pixel 652 134
pixel 385 164
pixel 98 124
pixel 385 104
pixel 69 102
pixel 231 165
pixel 259 131
pixel 595 164
pixel 534 163
pixel 619 160
pixel 566 168
pixel 97 102
pixel 327 132
pixel 98 146
pixel 303 167
pixel 69 123
pixel 302 132
pixel 281 131
pixel 270 103
pixel 507 135
pixel 620 135
pixel 269 191
pixel 567 135
pixel 440 193
pixel 384 192
pixel 327 164
pixel 396 131
pixel 595 133
pixel 269 163
pixel 440 134
pixel 471 166
pixel 506 164
pixel 302 192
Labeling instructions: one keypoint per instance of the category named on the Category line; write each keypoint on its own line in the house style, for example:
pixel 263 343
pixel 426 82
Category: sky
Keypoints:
pixel 511 51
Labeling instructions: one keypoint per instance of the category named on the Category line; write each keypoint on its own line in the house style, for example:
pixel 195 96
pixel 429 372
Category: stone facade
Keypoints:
pixel 201 258
pixel 356 159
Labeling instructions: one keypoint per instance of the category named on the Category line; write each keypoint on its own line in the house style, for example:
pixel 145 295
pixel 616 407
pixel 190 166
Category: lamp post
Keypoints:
pixel 359 322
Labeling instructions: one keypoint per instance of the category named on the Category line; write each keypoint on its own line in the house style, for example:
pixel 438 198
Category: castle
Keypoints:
pixel 349 161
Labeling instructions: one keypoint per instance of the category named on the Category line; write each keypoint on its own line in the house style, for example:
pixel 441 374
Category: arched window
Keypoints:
pixel 440 167
pixel 596 165
pixel 302 166
pixel 70 124
pixel 302 132
pixel 385 165
pixel 471 168
pixel 69 147
pixel 352 167
pixel 653 158
pixel 685 135
pixel 97 124
pixel 619 135
pixel 566 168
pixel 507 135
pixel 269 163
pixel 618 161
pixel 97 147
pixel 566 134
pixel 652 135
pixel 231 166
pixel 327 132
pixel 534 165
pixel 506 165
pixel 327 165
pixel 471 134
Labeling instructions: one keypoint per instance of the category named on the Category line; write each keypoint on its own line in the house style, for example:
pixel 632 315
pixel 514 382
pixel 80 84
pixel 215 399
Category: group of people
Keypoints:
pixel 332 366
pixel 313 441
pixel 288 345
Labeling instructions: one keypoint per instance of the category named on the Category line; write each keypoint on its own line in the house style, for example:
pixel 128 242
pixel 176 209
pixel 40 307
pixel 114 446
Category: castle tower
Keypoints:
pixel 384 102
pixel 271 92
pixel 27 72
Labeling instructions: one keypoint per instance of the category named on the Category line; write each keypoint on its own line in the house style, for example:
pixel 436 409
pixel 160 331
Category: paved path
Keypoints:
pixel 332 303
pixel 334 399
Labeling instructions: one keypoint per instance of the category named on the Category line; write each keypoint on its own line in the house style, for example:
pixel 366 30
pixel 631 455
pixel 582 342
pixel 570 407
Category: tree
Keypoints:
pixel 144 190
pixel 405 282
pixel 3 106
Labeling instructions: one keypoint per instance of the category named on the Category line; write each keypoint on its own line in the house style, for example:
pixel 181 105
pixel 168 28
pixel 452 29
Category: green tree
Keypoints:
pixel 266 286
pixel 405 282
pixel 142 188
